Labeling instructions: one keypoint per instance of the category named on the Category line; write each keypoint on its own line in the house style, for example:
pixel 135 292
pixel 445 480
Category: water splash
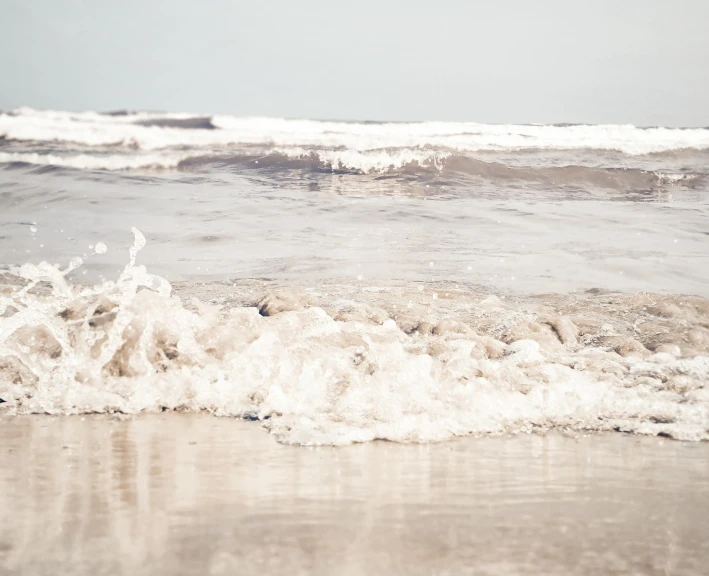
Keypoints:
pixel 318 375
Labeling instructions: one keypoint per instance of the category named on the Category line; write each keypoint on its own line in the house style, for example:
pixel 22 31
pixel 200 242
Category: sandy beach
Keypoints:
pixel 195 494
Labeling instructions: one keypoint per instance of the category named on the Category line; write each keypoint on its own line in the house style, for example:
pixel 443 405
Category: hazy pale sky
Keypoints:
pixel 644 62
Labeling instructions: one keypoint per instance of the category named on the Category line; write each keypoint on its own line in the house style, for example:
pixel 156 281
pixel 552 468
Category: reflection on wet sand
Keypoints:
pixel 193 494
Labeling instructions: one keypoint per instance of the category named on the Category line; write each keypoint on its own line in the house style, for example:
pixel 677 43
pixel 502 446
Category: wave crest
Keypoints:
pixel 423 165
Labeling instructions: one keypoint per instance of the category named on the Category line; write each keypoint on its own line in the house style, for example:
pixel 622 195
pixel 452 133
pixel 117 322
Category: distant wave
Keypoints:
pixel 437 157
pixel 154 131
pixel 412 164
pixel 91 162
pixel 383 163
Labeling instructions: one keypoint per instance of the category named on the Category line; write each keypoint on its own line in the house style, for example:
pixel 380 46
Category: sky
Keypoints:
pixel 642 62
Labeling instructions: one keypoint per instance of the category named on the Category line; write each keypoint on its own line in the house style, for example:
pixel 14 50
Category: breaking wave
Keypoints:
pixel 421 164
pixel 421 159
pixel 425 158
pixel 152 131
pixel 346 363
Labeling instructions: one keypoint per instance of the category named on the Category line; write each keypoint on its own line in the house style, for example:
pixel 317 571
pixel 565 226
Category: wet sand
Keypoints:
pixel 193 494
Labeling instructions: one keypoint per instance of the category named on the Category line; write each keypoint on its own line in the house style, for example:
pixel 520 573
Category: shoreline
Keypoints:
pixel 188 493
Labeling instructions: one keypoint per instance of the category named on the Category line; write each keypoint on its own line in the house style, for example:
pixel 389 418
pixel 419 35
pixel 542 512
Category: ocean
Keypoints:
pixel 341 282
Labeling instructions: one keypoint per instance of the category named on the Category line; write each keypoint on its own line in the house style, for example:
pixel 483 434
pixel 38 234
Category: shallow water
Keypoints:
pixel 192 494
pixel 202 230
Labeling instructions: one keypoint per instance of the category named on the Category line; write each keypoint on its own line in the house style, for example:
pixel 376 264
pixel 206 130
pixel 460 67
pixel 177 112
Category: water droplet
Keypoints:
pixel 359 277
pixel 100 248
pixel 435 295
pixel 33 229
pixel 138 244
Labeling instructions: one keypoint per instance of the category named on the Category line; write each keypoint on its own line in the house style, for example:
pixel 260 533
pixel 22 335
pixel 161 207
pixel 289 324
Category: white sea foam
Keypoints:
pixel 102 130
pixel 374 161
pixel 95 162
pixel 317 376
pixel 368 160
